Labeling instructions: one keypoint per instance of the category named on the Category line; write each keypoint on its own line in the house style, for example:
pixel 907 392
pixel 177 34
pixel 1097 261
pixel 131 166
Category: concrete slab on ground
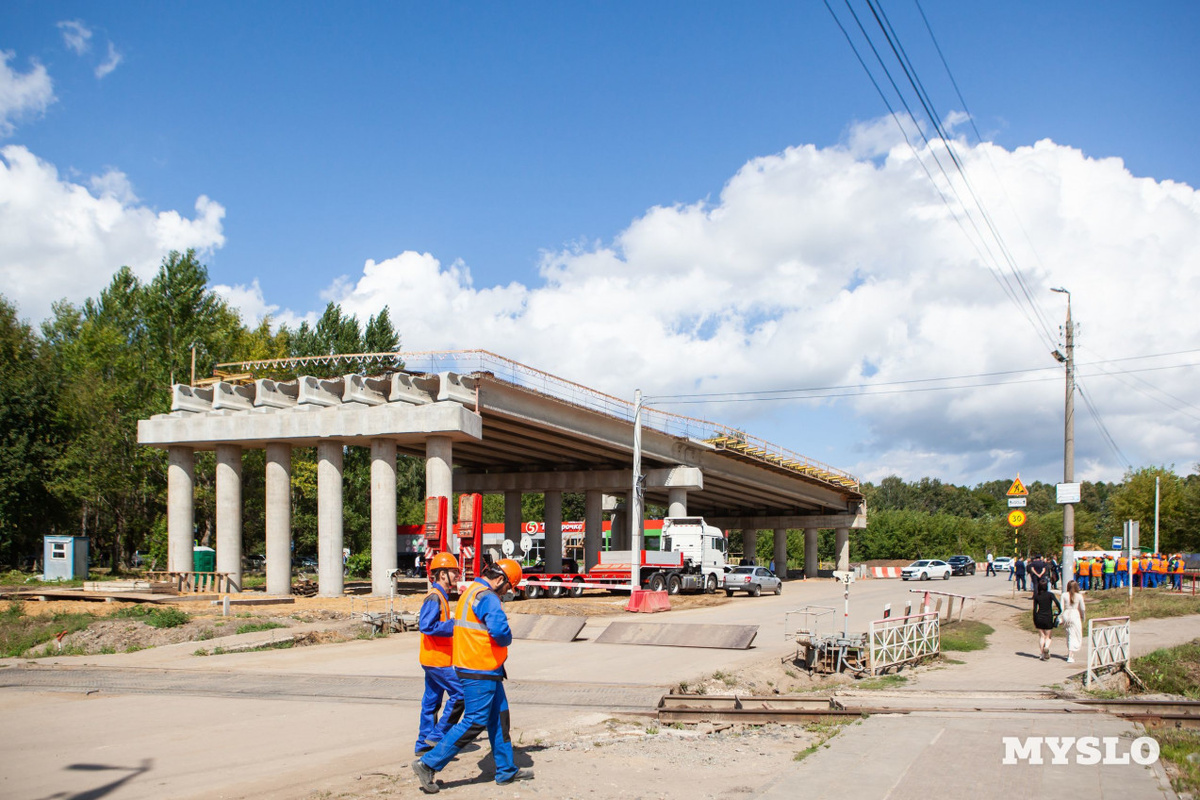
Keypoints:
pixel 721 637
pixel 545 628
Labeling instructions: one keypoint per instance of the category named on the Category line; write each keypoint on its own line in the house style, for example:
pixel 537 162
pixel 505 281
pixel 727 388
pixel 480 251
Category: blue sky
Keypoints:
pixel 685 197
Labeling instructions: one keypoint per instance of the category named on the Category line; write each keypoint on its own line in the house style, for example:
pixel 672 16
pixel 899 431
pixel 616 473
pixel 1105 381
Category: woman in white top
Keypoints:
pixel 1072 619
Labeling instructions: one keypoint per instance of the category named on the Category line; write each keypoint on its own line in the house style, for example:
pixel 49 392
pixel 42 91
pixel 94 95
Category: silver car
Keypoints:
pixel 926 569
pixel 753 580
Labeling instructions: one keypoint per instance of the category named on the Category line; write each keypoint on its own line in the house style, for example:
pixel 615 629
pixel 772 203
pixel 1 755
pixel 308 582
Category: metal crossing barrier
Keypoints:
pixel 1108 645
pixel 902 640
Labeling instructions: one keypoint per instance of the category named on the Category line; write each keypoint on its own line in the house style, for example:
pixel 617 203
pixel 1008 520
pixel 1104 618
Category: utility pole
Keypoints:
pixel 1068 560
pixel 635 497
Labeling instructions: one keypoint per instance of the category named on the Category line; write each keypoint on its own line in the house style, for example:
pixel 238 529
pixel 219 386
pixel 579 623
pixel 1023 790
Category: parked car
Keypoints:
pixel 1002 564
pixel 926 569
pixel 753 580
pixel 961 565
pixel 308 562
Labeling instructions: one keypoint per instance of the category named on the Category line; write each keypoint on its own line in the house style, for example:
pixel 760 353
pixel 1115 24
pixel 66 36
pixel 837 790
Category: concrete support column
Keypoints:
pixel 842 549
pixel 330 582
pixel 676 502
pixel 512 519
pixel 383 515
pixel 181 508
pixel 810 552
pixel 553 540
pixel 781 553
pixel 593 527
pixel 439 475
pixel 619 534
pixel 279 518
pixel 229 513
pixel 749 546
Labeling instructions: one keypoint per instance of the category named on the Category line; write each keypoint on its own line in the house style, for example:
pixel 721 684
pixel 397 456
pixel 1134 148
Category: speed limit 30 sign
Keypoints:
pixel 1016 518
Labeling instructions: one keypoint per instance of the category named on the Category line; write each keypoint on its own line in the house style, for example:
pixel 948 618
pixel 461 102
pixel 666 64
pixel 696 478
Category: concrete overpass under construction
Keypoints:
pixel 483 424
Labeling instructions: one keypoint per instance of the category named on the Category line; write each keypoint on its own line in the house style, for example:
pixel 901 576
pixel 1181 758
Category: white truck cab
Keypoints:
pixel 699 542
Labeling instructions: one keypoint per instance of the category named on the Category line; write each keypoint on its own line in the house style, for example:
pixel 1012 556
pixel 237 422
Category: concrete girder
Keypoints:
pixel 228 396
pixel 352 424
pixel 685 478
pixel 319 392
pixel 796 522
pixel 188 398
pixel 275 394
pixel 459 388
pixel 367 391
pixel 415 389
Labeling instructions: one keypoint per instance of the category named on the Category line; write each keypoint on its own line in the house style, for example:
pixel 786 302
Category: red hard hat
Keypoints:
pixel 443 561
pixel 512 571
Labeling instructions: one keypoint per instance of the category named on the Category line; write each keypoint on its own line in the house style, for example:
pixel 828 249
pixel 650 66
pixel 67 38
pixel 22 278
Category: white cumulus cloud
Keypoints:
pixel 60 240
pixel 22 94
pixel 821 267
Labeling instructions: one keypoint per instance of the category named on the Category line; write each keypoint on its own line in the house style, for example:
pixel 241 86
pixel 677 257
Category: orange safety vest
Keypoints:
pixel 437 651
pixel 1096 568
pixel 473 645
pixel 1146 564
pixel 1162 566
pixel 1135 565
pixel 1122 564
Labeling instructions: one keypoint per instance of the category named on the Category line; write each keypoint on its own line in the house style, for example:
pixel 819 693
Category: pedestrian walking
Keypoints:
pixel 1020 574
pixel 481 640
pixel 991 567
pixel 1055 571
pixel 1073 615
pixel 437 655
pixel 1044 605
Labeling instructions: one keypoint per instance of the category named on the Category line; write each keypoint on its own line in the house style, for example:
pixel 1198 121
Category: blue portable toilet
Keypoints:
pixel 64 557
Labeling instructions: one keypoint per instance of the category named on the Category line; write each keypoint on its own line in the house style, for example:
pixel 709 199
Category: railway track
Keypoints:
pixel 762 710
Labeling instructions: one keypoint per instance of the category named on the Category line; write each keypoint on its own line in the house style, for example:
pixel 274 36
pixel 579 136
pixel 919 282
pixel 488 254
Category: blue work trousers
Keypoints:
pixel 439 682
pixel 1082 580
pixel 486 708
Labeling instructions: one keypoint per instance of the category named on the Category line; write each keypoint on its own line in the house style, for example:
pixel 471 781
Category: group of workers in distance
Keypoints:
pixel 1147 571
pixel 463 658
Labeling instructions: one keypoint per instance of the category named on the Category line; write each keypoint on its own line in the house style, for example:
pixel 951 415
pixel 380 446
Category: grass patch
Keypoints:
pixel 965 635
pixel 824 731
pixel 1181 750
pixel 155 617
pixel 254 627
pixel 882 682
pixel 21 632
pixel 1171 670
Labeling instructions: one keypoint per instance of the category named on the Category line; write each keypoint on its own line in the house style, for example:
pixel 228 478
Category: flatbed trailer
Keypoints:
pixel 657 571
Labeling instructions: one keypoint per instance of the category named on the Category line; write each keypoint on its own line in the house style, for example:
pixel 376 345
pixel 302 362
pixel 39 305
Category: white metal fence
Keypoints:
pixel 1108 645
pixel 902 640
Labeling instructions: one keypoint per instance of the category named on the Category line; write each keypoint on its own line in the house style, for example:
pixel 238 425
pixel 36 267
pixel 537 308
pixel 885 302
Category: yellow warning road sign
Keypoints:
pixel 1017 489
pixel 1016 518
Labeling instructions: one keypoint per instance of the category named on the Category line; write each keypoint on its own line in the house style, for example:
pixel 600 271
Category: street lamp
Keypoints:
pixel 1068 561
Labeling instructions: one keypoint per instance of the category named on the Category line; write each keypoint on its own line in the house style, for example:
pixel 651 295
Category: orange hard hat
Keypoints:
pixel 511 570
pixel 443 561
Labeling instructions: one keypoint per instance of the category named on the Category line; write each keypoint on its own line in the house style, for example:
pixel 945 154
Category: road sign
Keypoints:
pixel 1016 518
pixel 1118 543
pixel 1017 489
pixel 1068 492
pixel 1016 502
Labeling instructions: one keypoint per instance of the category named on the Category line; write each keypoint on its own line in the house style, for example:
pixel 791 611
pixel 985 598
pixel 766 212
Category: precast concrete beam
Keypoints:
pixel 187 398
pixel 275 394
pixel 330 582
pixel 604 480
pixel 414 389
pixel 229 512
pixel 455 387
pixel 320 392
pixel 232 397
pixel 181 509
pixel 856 521
pixel 279 518
pixel 368 391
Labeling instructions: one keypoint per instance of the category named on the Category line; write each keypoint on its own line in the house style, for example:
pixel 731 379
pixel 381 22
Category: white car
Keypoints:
pixel 925 569
pixel 1002 564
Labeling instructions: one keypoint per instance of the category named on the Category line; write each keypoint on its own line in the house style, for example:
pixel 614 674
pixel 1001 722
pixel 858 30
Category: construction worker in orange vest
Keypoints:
pixel 1135 566
pixel 1177 571
pixel 481 640
pixel 1082 573
pixel 1097 569
pixel 1122 571
pixel 1148 571
pixel 1161 578
pixel 437 655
